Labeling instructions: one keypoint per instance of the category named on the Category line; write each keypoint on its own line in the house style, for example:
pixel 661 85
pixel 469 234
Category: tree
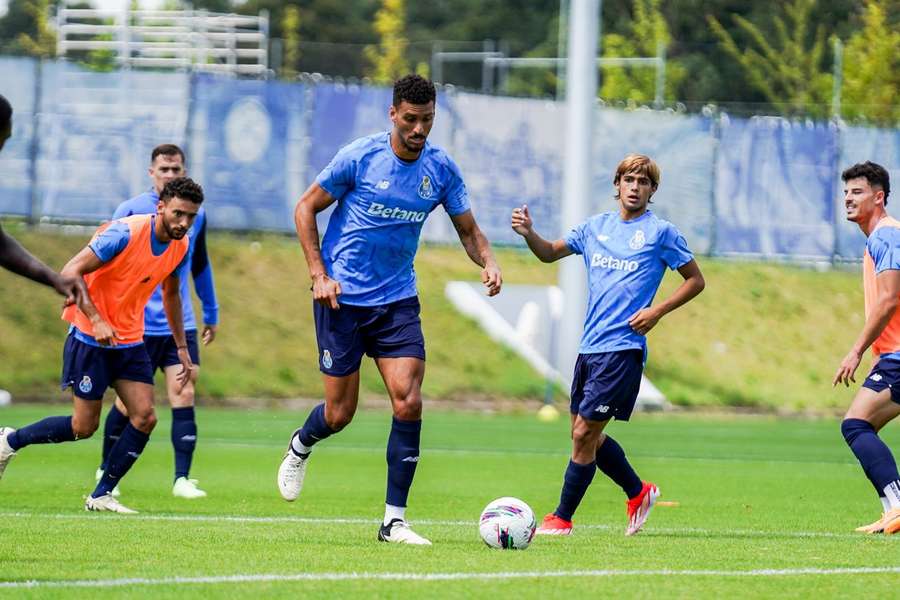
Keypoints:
pixel 388 60
pixel 872 69
pixel 290 31
pixel 646 32
pixel 24 29
pixel 787 68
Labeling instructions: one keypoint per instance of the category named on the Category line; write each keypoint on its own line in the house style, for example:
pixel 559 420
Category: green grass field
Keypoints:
pixel 766 508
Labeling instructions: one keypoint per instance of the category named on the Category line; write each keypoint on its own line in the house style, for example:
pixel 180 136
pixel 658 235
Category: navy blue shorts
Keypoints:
pixel 390 331
pixel 89 370
pixel 164 353
pixel 885 374
pixel 606 384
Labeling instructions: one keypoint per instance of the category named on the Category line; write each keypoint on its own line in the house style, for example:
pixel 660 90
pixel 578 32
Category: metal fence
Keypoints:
pixel 763 186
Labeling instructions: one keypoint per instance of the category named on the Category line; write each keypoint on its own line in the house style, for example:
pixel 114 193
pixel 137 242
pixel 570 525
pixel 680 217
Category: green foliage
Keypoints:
pixel 387 60
pixel 872 68
pixel 24 29
pixel 290 30
pixel 788 68
pixel 644 35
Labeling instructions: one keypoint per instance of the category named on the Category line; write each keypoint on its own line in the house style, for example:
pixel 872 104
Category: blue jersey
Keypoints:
pixel 155 322
pixel 626 261
pixel 107 245
pixel 382 202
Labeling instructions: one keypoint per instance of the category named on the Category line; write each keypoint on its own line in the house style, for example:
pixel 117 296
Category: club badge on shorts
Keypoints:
pixel 86 385
pixel 326 359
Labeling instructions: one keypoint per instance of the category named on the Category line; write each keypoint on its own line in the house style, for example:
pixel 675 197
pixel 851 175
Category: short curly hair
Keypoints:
pixel 415 89
pixel 875 174
pixel 184 188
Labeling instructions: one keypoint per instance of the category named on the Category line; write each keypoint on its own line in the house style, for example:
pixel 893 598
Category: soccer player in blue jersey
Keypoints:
pixel 364 285
pixel 626 253
pixel 17 259
pixel 167 163
pixel 866 189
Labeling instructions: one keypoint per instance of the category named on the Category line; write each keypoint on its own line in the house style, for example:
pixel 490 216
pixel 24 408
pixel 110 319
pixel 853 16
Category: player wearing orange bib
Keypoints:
pixel 124 262
pixel 866 189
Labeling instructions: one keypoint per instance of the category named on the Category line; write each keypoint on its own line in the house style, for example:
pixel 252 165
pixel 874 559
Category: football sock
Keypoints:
pixel 892 494
pixel 51 430
pixel 874 456
pixel 402 458
pixel 394 512
pixel 184 439
pixel 112 429
pixel 122 456
pixel 298 447
pixel 578 478
pixel 611 460
pixel 885 503
pixel 314 430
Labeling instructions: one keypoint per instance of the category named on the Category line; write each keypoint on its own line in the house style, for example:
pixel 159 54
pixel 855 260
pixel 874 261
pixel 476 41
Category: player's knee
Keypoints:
pixel 409 409
pixel 144 420
pixel 583 437
pixel 338 419
pixel 84 428
pixel 853 428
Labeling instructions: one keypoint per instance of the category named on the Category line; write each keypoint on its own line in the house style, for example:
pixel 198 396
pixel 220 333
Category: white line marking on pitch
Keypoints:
pixel 274 577
pixel 426 522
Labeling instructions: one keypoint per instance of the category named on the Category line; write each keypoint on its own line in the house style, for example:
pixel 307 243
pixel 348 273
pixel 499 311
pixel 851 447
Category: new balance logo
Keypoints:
pixel 876 377
pixel 601 409
pixel 412 459
pixel 380 210
pixel 383 184
pixel 611 262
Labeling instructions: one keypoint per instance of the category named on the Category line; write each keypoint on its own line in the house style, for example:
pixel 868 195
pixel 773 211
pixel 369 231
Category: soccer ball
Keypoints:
pixel 507 523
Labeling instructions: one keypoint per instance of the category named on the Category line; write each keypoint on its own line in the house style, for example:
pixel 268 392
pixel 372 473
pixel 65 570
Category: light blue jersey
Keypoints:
pixel 626 261
pixel 382 202
pixel 155 322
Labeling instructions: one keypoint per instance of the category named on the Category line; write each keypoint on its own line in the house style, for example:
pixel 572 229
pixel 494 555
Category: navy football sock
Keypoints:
pixel 578 478
pixel 402 458
pixel 873 454
pixel 184 439
pixel 112 429
pixel 611 460
pixel 51 430
pixel 315 429
pixel 122 456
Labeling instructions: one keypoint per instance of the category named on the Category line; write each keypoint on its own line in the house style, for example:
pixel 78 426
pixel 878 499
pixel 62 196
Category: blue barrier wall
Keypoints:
pixel 763 186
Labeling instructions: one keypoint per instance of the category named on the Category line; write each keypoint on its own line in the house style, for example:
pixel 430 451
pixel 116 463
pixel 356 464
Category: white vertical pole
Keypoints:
pixel 581 97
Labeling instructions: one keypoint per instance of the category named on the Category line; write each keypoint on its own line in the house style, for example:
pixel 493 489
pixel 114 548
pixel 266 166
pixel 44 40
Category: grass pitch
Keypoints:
pixel 765 508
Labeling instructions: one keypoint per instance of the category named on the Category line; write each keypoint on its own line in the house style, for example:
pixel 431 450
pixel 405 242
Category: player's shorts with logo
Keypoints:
pixel 606 384
pixel 885 374
pixel 390 331
pixel 163 351
pixel 89 370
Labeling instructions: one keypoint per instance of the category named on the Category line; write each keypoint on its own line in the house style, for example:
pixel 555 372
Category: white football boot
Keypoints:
pixel 6 452
pixel 291 474
pixel 399 532
pixel 106 503
pixel 187 488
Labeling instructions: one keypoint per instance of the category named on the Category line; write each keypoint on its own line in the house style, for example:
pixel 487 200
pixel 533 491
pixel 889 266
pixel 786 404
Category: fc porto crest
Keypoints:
pixel 637 241
pixel 426 190
pixel 326 359
pixel 86 385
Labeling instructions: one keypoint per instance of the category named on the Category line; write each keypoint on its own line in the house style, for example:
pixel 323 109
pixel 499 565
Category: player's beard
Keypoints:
pixel 171 232
pixel 406 144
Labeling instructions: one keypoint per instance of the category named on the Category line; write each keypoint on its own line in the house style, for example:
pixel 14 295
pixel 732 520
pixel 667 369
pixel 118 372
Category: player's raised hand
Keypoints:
pixel 521 220
pixel 209 334
pixel 103 332
pixel 847 370
pixel 492 279
pixel 326 291
pixel 187 367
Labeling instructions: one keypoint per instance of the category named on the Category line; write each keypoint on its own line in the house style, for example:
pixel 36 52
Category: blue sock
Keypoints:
pixel 315 429
pixel 578 478
pixel 611 460
pixel 402 458
pixel 51 430
pixel 874 456
pixel 112 429
pixel 184 439
pixel 122 456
